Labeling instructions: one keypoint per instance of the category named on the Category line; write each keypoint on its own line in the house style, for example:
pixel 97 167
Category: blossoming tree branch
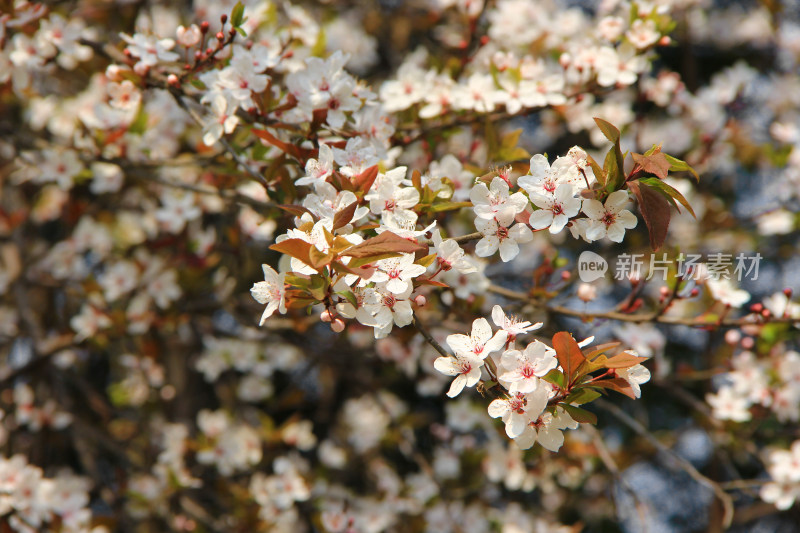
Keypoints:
pixel 396 202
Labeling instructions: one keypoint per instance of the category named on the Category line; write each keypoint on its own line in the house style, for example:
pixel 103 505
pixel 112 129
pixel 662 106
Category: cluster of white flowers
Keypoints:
pixel 31 502
pixel 525 408
pixel 773 383
pixel 784 471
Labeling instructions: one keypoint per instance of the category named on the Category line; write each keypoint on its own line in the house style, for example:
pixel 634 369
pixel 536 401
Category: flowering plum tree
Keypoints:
pixel 378 176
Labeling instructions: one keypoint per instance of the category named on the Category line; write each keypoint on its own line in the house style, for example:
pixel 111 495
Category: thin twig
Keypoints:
pixel 438 347
pixel 686 466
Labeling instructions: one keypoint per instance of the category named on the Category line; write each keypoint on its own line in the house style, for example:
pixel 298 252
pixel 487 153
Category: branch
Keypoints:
pixel 438 347
pixel 656 316
pixel 686 466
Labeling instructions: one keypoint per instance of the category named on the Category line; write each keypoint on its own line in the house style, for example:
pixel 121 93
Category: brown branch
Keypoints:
pixel 686 466
pixel 438 347
pixel 656 316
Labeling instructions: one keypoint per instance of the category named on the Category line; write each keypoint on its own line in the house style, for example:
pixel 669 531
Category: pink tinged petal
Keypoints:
pixel 496 342
pixel 509 249
pixel 627 219
pixel 487 246
pixel 457 386
pixel 550 439
pixel 541 219
pixel 617 200
pixel 539 166
pixel 593 209
pixel 447 366
pixel 526 438
pixel 479 194
pixel 484 211
pixel 481 330
pixel 498 316
pixel 498 408
pixel 473 376
pixel 397 285
pixel 510 359
pixel 516 425
pixel 459 343
pixel 616 232
pixel 595 231
pixel 559 221
pixel 521 233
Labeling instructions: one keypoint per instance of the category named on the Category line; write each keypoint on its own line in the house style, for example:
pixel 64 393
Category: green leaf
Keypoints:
pixel 676 165
pixel 580 415
pixel 582 396
pixel 616 384
pixel 608 129
pixel 349 296
pixel 556 377
pixel 670 192
pixel 237 15
pixel 319 287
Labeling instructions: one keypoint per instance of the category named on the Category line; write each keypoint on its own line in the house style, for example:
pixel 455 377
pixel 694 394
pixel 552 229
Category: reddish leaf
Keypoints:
pixel 343 217
pixel 669 192
pixel 341 182
pixel 655 164
pixel 295 151
pixel 600 348
pixel 568 353
pixel 296 210
pixel 363 182
pixel 319 259
pixel 297 248
pixel 655 210
pixel 365 272
pixel 616 384
pixel 624 360
pixel 425 281
pixel 386 242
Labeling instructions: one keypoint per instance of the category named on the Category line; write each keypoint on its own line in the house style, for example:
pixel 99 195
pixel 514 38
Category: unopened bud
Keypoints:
pixel 733 336
pixel 587 292
pixel 209 51
pixel 420 300
pixel 484 40
pixel 204 26
pixel 198 55
pixel 787 292
pixel 665 41
pixel 114 73
pixel 326 316
pixel 566 275
pixel 223 18
pixel 766 313
pixel 337 326
pixel 664 291
pixel 748 343
pixel 172 80
pixel 220 36
pixel 756 308
pixel 694 292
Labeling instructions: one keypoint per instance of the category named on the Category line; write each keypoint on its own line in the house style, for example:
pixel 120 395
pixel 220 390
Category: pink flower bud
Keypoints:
pixel 587 292
pixel 337 325
pixel 733 336
pixel 326 316
pixel 748 343
pixel 420 300
pixel 172 80
pixel 188 36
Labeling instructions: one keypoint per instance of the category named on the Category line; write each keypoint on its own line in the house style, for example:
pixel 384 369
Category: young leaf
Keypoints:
pixel 237 15
pixel 624 360
pixel 556 377
pixel 655 163
pixel 676 165
pixel 671 192
pixel 655 210
pixel 608 129
pixel 343 217
pixel 386 242
pixel 297 248
pixel 296 210
pixel 580 415
pixel 298 153
pixel 363 182
pixel 569 354
pixel 582 396
pixel 616 384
